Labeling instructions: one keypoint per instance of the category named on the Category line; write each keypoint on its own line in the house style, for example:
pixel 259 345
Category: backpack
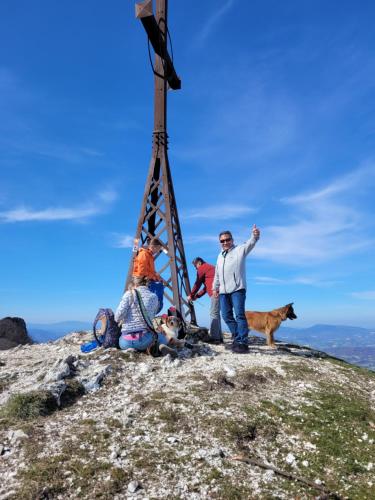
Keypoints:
pixel 110 331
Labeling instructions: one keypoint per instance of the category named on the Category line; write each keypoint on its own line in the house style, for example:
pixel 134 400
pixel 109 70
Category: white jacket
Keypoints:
pixel 230 272
pixel 130 313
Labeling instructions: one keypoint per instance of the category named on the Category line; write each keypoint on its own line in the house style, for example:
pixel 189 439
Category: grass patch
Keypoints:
pixel 337 423
pixel 74 390
pixel 231 491
pixel 6 380
pixel 349 368
pixel 28 406
pixel 79 469
pixel 301 370
pixel 114 423
pixel 242 433
pixel 43 476
pixel 72 478
pixel 173 419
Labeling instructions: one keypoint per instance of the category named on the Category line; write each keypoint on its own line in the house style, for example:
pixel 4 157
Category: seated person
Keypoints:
pixel 144 265
pixel 135 332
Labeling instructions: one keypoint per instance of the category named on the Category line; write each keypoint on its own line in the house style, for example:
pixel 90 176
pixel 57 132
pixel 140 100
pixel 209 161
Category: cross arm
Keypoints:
pixel 143 11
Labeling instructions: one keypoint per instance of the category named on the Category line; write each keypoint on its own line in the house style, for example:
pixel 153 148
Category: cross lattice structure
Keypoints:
pixel 159 216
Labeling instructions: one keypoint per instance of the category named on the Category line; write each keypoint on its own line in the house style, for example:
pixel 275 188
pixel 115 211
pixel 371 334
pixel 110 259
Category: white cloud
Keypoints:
pixel 364 176
pixel 201 238
pixel 91 152
pixel 367 295
pixel 108 196
pixel 224 211
pixel 212 21
pixel 297 280
pixel 327 223
pixel 123 240
pixel 81 212
pixel 47 214
pixel 266 280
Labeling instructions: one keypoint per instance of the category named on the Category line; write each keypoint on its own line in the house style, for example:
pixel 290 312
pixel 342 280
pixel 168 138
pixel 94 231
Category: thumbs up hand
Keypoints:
pixel 256 232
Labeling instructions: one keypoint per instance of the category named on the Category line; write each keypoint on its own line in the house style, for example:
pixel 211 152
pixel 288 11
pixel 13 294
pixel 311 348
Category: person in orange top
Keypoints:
pixel 144 261
pixel 144 265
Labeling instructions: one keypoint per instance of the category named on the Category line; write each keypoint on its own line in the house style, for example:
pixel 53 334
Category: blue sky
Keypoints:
pixel 274 125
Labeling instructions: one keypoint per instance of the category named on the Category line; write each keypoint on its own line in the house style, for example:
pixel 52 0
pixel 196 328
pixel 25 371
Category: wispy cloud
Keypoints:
pixel 225 211
pixel 363 177
pixel 366 295
pixel 201 238
pixel 328 223
pixel 122 240
pixel 91 152
pixel 51 149
pixel 212 21
pixel 297 280
pixel 80 212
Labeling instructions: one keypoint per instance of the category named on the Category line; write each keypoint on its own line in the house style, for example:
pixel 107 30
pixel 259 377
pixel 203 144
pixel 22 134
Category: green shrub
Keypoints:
pixel 29 405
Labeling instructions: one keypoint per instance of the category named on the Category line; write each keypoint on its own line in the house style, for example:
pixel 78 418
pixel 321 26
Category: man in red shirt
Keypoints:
pixel 205 277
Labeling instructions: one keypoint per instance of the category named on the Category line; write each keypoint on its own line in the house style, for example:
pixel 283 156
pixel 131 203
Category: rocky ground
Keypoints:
pixel 284 423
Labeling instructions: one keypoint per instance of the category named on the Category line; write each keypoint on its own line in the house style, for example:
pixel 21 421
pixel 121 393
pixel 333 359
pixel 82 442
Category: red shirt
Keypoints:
pixel 205 277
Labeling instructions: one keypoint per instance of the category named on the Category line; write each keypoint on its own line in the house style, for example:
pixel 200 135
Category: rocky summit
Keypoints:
pixel 13 332
pixel 280 423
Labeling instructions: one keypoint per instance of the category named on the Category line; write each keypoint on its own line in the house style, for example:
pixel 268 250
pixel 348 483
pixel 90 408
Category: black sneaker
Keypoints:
pixel 240 348
pixel 215 341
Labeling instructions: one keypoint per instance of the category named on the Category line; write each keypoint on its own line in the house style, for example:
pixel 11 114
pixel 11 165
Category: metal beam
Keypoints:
pixel 143 11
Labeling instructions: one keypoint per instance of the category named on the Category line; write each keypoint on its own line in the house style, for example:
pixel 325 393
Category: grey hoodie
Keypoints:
pixel 230 272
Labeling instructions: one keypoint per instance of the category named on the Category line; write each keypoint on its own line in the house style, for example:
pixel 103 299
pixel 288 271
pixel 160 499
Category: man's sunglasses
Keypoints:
pixel 225 240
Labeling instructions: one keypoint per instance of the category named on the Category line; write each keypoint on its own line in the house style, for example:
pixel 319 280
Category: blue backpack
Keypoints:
pixel 110 331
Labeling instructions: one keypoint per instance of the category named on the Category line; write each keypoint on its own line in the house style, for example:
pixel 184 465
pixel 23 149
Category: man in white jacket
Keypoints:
pixel 230 286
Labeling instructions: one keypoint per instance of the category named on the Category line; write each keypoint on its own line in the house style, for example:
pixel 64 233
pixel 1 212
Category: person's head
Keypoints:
pixel 155 245
pixel 197 262
pixel 226 240
pixel 139 281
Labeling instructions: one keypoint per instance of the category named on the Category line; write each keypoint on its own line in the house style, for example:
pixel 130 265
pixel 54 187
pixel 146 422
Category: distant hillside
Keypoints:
pixel 43 332
pixel 354 344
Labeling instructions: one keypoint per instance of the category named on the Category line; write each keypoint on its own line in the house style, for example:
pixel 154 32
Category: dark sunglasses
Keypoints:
pixel 225 240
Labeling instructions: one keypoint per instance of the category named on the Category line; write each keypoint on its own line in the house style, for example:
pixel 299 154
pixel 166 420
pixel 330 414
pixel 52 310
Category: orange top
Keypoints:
pixel 144 264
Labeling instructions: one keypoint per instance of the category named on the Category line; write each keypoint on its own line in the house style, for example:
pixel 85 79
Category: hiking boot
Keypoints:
pixel 214 341
pixel 240 348
pixel 165 350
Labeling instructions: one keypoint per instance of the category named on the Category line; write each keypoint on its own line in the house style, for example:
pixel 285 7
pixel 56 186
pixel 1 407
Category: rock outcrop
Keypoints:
pixel 13 332
pixel 280 423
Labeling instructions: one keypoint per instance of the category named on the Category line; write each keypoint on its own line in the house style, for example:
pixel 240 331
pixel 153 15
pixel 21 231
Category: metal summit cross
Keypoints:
pixel 159 216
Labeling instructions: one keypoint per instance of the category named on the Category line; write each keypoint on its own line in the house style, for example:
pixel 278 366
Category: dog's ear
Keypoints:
pixel 290 312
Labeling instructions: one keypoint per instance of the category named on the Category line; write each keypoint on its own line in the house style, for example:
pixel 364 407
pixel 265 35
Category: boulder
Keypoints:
pixel 13 332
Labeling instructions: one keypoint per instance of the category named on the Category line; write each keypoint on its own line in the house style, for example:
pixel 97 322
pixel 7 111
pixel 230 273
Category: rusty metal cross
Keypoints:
pixel 159 216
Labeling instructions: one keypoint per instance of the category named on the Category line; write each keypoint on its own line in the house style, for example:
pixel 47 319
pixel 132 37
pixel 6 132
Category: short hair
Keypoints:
pixel 225 232
pixel 196 260
pixel 155 242
pixel 140 281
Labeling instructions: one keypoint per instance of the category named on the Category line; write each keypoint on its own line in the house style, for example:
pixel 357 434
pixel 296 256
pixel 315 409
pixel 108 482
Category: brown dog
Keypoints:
pixel 268 322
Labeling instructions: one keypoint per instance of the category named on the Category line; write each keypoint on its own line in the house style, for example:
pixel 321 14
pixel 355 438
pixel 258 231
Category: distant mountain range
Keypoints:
pixel 354 344
pixel 42 332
